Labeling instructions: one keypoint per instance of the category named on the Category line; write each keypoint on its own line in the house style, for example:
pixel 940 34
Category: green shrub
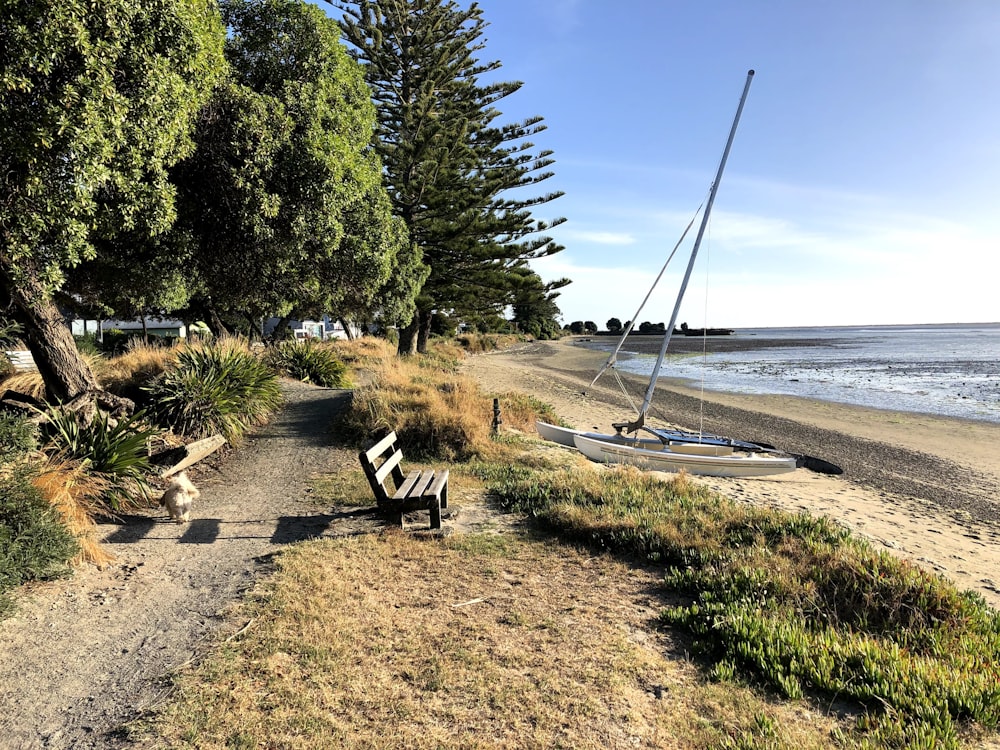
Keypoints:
pixel 88 344
pixel 17 437
pixel 216 389
pixel 34 544
pixel 116 451
pixel 310 363
pixel 115 341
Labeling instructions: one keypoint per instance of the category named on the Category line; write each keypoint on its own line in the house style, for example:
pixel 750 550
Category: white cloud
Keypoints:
pixel 767 271
pixel 598 238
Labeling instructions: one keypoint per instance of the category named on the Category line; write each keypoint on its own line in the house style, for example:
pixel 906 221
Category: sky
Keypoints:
pixel 863 185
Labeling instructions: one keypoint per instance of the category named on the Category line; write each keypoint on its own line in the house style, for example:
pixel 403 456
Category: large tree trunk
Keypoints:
pixel 215 324
pixel 347 329
pixel 424 332
pixel 65 372
pixel 408 337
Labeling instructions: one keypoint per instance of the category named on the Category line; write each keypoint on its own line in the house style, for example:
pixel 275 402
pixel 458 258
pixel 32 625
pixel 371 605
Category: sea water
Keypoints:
pixel 948 370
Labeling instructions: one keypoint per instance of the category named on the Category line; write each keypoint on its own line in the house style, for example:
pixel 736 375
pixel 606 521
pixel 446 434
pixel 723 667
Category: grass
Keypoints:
pixel 436 412
pixel 800 635
pixel 793 603
pixel 511 643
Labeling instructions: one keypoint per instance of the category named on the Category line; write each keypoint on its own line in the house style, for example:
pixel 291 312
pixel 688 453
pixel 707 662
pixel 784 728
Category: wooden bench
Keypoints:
pixel 417 490
pixel 21 360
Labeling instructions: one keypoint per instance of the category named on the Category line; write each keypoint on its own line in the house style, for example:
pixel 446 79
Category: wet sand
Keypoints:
pixel 923 486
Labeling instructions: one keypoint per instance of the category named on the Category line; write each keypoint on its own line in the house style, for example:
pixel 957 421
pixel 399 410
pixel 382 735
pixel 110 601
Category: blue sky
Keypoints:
pixel 862 187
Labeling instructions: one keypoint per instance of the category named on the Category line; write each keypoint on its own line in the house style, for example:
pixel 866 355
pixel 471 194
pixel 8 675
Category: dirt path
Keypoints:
pixel 84 655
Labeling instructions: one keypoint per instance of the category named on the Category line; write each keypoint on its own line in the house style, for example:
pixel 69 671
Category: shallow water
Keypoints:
pixel 949 370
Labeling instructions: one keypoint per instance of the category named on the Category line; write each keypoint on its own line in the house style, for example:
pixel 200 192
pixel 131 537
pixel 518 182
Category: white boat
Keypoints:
pixel 566 435
pixel 694 458
pixel 675 450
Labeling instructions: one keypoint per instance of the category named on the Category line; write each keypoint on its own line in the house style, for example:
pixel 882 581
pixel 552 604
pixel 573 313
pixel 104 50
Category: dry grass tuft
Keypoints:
pixel 76 495
pixel 437 413
pixel 28 383
pixel 139 365
pixel 363 351
pixel 508 643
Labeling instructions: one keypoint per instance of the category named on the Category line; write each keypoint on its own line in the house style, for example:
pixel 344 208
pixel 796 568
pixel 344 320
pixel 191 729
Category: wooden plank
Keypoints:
pixel 406 488
pixel 440 482
pixel 390 463
pixel 194 452
pixel 420 488
pixel 389 441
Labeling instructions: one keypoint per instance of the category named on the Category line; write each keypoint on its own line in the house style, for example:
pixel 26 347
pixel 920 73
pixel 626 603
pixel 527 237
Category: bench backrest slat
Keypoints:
pixel 389 441
pixel 390 464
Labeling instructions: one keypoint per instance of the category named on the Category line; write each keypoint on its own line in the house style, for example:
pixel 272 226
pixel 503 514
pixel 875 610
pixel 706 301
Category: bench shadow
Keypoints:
pixel 201 531
pixel 133 528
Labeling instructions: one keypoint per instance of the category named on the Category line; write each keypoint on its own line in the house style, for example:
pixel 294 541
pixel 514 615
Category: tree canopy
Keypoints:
pixel 281 207
pixel 96 103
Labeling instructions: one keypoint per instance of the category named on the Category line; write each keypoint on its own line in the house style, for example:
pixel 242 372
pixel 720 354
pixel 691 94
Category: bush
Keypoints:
pixel 117 452
pixel 436 413
pixel 34 545
pixel 216 388
pixel 310 363
pixel 17 437
pixel 88 344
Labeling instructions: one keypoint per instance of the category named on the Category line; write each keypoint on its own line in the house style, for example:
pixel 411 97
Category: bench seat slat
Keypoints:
pixel 405 489
pixel 440 482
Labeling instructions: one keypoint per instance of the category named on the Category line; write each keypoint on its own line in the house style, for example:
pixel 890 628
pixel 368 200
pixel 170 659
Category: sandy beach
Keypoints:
pixel 925 487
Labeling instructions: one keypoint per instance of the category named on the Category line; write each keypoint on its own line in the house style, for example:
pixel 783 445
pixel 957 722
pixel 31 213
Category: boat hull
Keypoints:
pixel 566 435
pixel 735 464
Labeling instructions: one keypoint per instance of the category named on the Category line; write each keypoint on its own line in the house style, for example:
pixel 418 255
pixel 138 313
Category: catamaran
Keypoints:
pixel 666 449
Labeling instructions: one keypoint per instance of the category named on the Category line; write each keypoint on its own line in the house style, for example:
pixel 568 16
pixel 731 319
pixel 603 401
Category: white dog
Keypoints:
pixel 179 496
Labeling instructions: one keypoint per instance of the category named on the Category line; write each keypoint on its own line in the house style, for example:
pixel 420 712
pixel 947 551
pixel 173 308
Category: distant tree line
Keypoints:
pixel 615 326
pixel 230 160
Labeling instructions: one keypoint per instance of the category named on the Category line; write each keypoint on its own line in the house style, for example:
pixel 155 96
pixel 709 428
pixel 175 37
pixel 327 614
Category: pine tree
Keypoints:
pixel 448 163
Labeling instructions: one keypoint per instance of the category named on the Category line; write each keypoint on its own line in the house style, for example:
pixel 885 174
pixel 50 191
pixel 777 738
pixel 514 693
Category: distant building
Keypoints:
pixel 168 327
pixel 323 329
pixel 154 327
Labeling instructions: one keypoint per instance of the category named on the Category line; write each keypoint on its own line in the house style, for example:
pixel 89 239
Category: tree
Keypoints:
pixel 283 200
pixel 96 103
pixel 534 307
pixel 281 209
pixel 590 326
pixel 448 166
pixel 614 325
pixel 576 327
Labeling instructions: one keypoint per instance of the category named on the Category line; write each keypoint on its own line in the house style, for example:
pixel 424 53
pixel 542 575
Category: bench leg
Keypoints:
pixel 396 519
pixel 444 496
pixel 436 514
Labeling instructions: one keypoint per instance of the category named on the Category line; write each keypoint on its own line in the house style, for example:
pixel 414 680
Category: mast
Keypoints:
pixel 633 426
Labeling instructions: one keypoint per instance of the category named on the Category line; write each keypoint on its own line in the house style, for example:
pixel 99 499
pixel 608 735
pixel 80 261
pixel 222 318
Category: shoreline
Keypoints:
pixel 924 486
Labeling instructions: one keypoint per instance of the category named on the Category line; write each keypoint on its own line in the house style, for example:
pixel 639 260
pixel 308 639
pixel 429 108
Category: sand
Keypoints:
pixel 924 487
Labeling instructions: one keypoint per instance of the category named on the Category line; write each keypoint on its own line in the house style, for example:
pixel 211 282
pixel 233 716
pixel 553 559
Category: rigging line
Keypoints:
pixel 624 389
pixel 628 329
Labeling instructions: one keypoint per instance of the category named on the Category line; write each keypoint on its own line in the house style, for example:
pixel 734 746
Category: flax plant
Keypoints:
pixel 219 387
